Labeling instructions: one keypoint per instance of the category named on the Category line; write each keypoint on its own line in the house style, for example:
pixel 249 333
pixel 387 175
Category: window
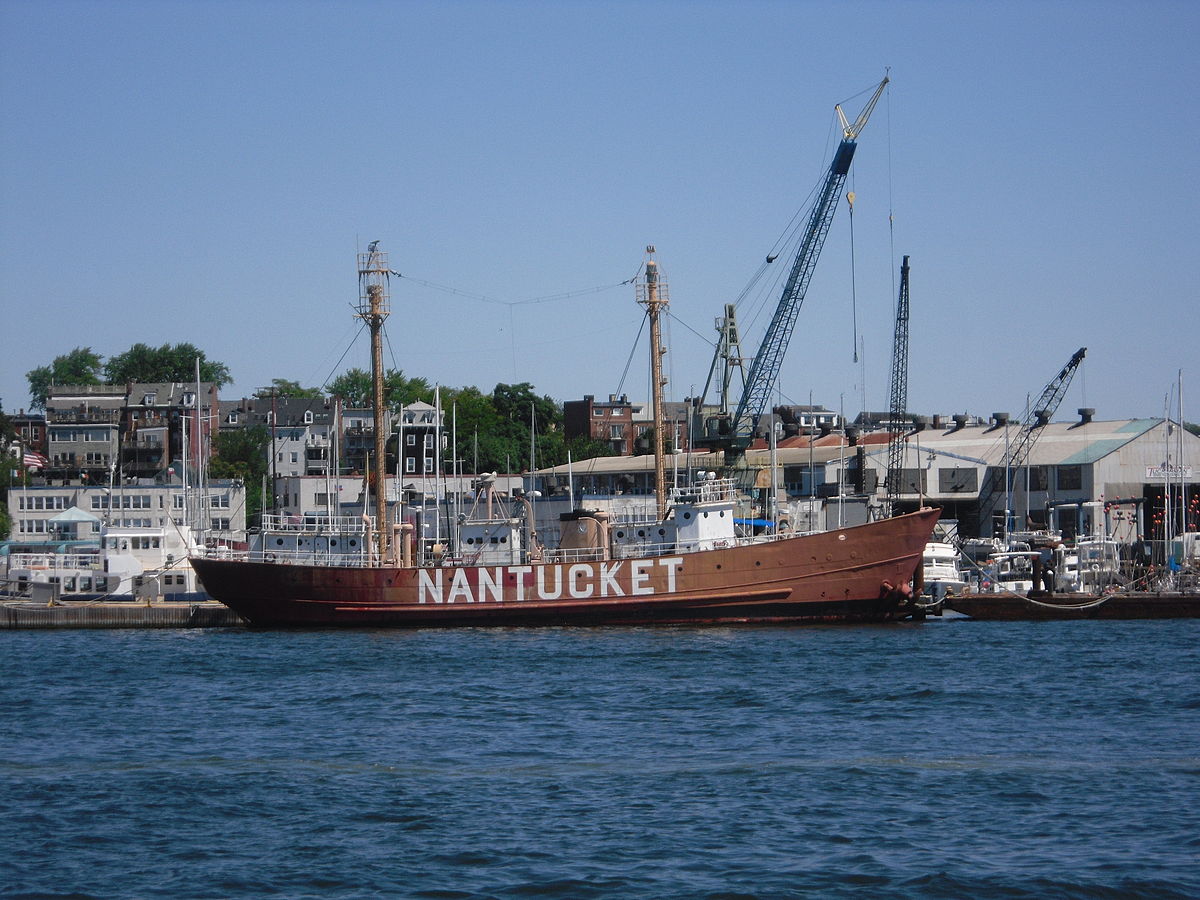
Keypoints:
pixel 429 442
pixel 308 417
pixel 410 464
pixel 1070 478
pixel 232 418
pixel 616 433
pixel 957 481
pixel 428 464
pixel 411 440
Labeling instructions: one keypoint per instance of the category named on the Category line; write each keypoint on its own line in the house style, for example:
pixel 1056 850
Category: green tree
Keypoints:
pixel 1192 427
pixel 168 363
pixel 354 387
pixel 282 387
pixel 243 454
pixel 80 366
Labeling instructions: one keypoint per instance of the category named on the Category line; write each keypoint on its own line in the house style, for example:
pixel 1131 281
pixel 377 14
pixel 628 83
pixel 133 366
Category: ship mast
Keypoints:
pixel 373 282
pixel 653 293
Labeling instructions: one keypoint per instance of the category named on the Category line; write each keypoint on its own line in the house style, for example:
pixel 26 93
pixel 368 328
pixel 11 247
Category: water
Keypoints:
pixel 949 759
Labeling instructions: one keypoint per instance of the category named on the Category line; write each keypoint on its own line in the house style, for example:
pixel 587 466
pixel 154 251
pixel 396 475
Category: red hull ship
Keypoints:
pixel 858 574
pixel 687 564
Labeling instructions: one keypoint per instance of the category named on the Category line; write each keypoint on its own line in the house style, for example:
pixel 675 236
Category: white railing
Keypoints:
pixel 717 489
pixel 313 524
pixel 55 561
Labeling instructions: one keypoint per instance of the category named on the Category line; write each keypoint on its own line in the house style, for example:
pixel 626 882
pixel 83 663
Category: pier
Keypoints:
pixel 208 614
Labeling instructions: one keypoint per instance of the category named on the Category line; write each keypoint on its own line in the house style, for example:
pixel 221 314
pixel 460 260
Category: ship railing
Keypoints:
pixel 708 491
pixel 312 524
pixel 55 561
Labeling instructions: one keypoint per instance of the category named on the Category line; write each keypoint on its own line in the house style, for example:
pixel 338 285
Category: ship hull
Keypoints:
pixel 859 574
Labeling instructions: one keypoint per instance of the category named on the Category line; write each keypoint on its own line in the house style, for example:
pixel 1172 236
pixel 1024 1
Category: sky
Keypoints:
pixel 206 172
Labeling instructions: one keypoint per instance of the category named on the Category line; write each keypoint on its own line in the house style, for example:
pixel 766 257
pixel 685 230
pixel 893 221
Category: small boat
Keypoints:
pixel 688 565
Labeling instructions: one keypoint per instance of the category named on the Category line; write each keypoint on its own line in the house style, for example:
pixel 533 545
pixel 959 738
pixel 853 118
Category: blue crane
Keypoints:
pixel 738 432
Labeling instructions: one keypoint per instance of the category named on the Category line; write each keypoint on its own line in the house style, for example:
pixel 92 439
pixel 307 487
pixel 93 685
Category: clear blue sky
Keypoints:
pixel 206 171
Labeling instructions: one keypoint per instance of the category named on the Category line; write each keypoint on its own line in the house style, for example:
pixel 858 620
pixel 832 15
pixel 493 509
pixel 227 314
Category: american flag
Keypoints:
pixel 35 460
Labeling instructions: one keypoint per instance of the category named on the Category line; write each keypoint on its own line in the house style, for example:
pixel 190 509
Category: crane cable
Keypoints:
pixel 853 289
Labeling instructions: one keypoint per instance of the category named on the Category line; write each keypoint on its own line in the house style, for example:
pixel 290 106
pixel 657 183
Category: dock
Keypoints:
pixel 208 614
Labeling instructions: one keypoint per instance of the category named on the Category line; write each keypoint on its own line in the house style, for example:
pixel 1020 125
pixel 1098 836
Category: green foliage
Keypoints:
pixel 80 366
pixel 354 387
pixel 1192 427
pixel 243 454
pixel 168 363
pixel 282 387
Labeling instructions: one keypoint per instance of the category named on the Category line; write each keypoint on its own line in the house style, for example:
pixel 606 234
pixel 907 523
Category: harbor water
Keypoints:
pixel 944 759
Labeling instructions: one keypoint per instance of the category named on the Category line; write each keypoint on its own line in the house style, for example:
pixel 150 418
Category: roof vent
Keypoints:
pixel 937 421
pixel 1042 416
pixel 960 421
pixel 852 436
pixel 920 423
pixel 1000 418
pixel 1085 414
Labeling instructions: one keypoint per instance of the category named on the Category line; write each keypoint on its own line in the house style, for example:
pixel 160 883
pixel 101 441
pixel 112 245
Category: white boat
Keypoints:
pixel 940 570
pixel 125 563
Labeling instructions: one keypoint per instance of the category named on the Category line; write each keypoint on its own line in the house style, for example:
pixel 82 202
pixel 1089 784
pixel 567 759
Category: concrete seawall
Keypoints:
pixel 118 615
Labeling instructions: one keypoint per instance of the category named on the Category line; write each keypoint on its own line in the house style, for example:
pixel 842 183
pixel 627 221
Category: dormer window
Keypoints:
pixel 308 417
pixel 149 399
pixel 232 419
pixel 189 399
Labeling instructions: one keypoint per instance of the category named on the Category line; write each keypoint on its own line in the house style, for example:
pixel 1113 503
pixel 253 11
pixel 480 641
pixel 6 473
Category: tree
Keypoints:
pixel 354 386
pixel 281 387
pixel 243 454
pixel 168 363
pixel 80 366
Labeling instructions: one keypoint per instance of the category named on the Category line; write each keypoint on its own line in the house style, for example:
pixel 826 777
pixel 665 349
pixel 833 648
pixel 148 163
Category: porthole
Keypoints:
pixel 504 539
pixel 687 515
pixel 722 514
pixel 333 542
pixel 641 532
pixel 620 534
pixel 279 541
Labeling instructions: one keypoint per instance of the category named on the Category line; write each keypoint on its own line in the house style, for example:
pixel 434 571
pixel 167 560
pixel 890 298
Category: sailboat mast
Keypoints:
pixel 373 280
pixel 655 298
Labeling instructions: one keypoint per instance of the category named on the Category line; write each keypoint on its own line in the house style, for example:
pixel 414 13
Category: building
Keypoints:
pixel 1127 466
pixel 83 425
pixel 301 431
pixel 165 423
pixel 78 511
pixel 610 422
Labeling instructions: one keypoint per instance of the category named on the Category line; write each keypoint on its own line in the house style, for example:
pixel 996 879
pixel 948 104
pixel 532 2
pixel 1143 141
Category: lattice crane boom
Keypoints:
pixel 764 371
pixel 899 403
pixel 1020 447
